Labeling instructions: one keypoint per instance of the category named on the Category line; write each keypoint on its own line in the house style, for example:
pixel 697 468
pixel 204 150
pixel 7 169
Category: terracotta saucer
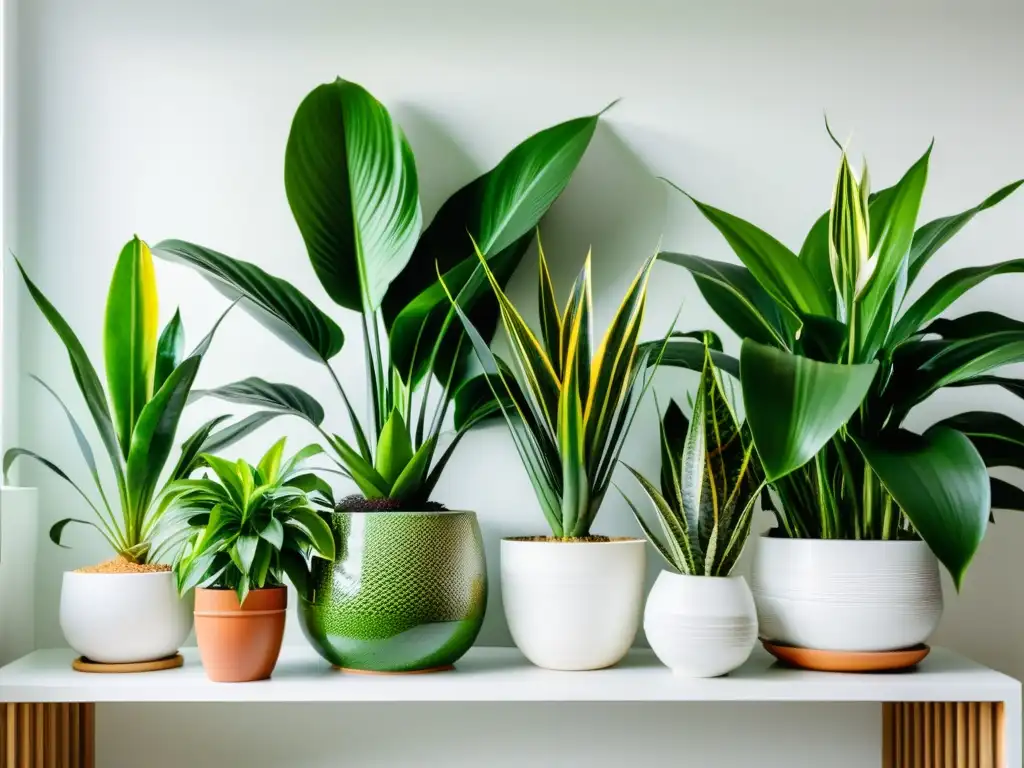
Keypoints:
pixel 847 661
pixel 82 664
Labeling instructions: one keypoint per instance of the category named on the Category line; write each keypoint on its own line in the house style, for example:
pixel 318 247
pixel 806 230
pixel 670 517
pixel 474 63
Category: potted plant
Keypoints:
pixel 244 529
pixel 699 619
pixel 127 610
pixel 408 589
pixel 834 357
pixel 572 599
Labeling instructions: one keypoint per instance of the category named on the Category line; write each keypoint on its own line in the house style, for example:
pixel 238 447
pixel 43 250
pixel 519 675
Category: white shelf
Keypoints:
pixel 502 674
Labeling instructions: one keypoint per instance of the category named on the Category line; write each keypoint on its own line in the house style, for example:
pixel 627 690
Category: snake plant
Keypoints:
pixel 246 527
pixel 710 482
pixel 567 402
pixel 351 181
pixel 835 355
pixel 148 383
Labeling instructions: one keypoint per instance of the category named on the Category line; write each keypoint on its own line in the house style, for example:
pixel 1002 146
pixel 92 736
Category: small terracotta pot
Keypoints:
pixel 239 644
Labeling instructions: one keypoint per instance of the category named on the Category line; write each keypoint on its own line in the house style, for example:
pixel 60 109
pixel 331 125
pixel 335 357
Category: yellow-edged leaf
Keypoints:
pixel 578 329
pixel 571 432
pixel 550 318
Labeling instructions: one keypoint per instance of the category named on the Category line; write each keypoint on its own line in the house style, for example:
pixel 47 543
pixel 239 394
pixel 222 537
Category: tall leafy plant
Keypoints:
pixel 568 402
pixel 710 482
pixel 351 182
pixel 834 357
pixel 148 383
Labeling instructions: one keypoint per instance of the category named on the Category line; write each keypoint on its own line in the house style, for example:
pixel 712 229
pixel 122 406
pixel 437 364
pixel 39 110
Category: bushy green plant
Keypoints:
pixel 567 402
pixel 148 384
pixel 710 481
pixel 245 527
pixel 834 357
pixel 351 182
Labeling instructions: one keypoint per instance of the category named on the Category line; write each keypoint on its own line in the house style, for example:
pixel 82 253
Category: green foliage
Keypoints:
pixel 351 182
pixel 710 481
pixel 567 403
pixel 827 384
pixel 245 527
pixel 148 383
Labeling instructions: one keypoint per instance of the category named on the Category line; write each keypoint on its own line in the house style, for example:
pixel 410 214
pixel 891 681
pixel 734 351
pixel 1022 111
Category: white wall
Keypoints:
pixel 169 119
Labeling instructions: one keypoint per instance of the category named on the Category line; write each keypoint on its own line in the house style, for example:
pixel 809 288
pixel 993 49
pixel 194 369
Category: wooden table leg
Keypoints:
pixel 944 735
pixel 34 735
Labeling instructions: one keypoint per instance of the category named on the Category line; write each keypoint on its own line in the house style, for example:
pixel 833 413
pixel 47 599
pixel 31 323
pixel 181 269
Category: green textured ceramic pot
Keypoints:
pixel 406 593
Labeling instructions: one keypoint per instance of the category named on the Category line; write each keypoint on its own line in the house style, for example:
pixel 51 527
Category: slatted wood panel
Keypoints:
pixel 47 735
pixel 943 735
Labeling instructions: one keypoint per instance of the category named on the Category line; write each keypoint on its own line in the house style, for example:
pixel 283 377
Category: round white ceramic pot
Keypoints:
pixel 700 626
pixel 846 595
pixel 119 618
pixel 573 605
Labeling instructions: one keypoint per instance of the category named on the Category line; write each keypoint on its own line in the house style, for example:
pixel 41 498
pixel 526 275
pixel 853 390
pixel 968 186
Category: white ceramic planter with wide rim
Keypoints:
pixel 573 605
pixel 840 595
pixel 120 618
pixel 19 532
pixel 700 626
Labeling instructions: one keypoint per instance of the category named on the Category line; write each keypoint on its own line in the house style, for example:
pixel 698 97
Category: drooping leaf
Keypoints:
pixel 284 398
pixel 170 349
pixel 274 302
pixel 130 335
pixel 998 438
pixel 1006 495
pixel 13 453
pixel 222 438
pixel 194 445
pixel 940 482
pixel 682 353
pixel 795 405
pixel 350 177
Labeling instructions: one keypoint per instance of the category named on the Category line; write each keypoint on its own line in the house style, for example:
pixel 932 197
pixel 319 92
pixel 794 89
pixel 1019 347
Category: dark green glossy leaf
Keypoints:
pixel 194 445
pixel 998 438
pixel 971 326
pixel 1006 495
pixel 170 349
pixel 674 427
pixel 795 405
pixel 222 438
pixel 264 394
pixel 57 529
pixel 350 177
pixel 815 254
pixel 681 353
pixel 940 482
pixel 274 302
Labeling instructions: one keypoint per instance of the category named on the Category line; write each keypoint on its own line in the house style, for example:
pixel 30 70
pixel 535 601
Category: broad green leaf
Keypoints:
pixel 294 564
pixel 408 486
pixel 795 405
pixel 222 438
pixel 85 375
pixel 245 553
pixel 270 464
pixel 815 254
pixel 944 292
pixel 316 529
pixel 1006 495
pixel 394 448
pixel 774 266
pixel 940 482
pixel 274 302
pixel 735 296
pixel 682 353
pixel 264 394
pixel 971 326
pixel 350 177
pixel 170 350
pixel 498 210
pixel 130 335
pixel 998 438
pixel 933 235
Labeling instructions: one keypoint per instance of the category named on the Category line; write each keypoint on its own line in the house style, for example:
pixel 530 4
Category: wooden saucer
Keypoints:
pixel 446 668
pixel 82 664
pixel 847 661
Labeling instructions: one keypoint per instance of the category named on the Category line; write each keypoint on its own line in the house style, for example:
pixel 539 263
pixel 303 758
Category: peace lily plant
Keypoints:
pixel 568 403
pixel 351 181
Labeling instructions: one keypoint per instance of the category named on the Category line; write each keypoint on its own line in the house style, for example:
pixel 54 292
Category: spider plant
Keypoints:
pixel 834 357
pixel 246 527
pixel 710 481
pixel 351 181
pixel 568 404
pixel 148 383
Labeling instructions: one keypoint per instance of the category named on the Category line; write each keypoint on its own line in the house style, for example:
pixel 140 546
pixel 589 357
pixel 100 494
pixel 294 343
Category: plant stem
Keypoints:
pixel 886 517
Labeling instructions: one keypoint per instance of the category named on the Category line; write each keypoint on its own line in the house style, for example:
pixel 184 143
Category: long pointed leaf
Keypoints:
pixel 170 350
pixel 264 394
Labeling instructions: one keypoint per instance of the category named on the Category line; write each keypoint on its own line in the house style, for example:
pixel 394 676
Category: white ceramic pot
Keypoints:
pixel 19 540
pixel 573 606
pixel 846 595
pixel 119 618
pixel 700 626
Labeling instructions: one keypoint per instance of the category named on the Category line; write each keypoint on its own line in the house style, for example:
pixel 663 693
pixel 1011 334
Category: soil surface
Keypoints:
pixel 121 565
pixel 356 503
pixel 578 540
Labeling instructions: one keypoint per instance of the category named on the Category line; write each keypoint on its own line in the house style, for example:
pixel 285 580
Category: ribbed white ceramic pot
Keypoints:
pixel 846 595
pixel 573 605
pixel 700 626
pixel 120 618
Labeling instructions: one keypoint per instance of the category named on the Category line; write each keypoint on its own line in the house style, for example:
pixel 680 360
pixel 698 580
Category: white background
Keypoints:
pixel 169 120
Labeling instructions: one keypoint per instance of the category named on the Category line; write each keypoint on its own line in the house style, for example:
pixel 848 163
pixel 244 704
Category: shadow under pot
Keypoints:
pixel 839 595
pixel 124 618
pixel 573 605
pixel 240 643
pixel 406 593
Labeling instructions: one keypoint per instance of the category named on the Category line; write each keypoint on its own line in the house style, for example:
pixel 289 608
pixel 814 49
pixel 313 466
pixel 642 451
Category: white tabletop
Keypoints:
pixel 502 674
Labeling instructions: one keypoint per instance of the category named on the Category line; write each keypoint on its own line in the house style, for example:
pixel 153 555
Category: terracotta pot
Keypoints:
pixel 240 643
